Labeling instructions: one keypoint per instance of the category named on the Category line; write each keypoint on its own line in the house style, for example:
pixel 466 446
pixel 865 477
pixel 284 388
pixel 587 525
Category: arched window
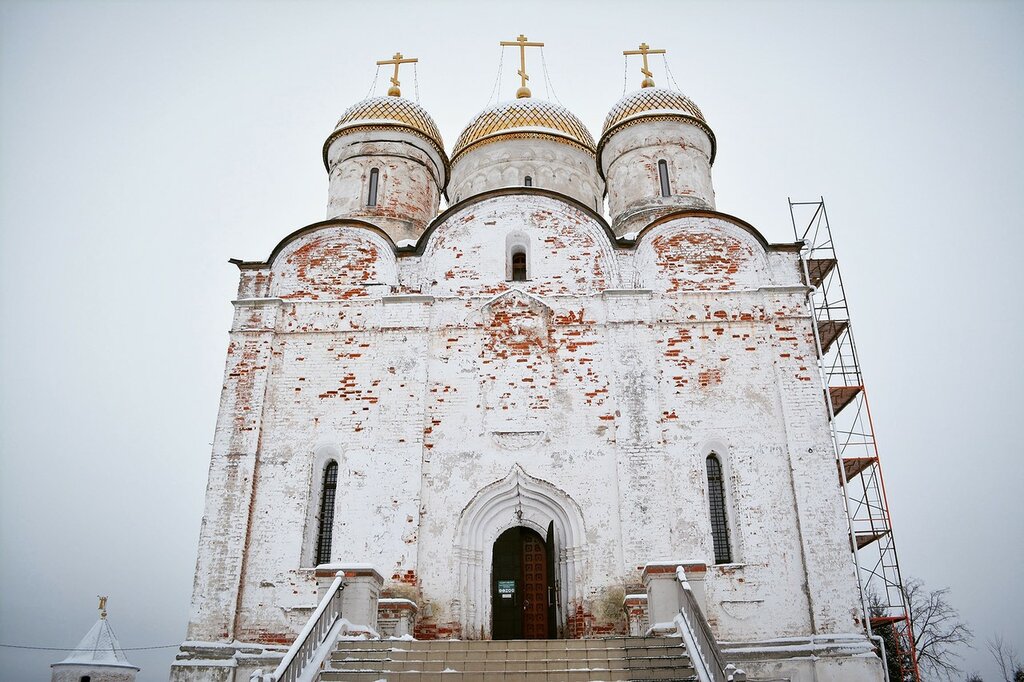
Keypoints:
pixel 716 504
pixel 85 678
pixel 663 177
pixel 327 495
pixel 519 265
pixel 528 181
pixel 371 197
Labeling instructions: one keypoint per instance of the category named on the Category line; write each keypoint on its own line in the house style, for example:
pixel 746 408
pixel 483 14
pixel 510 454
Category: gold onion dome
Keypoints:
pixel 524 118
pixel 388 112
pixel 654 103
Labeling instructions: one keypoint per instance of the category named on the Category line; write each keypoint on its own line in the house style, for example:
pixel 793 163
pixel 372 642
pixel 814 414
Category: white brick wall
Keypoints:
pixel 428 386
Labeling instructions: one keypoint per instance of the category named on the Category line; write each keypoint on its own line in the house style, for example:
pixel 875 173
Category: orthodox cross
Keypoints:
pixel 645 50
pixel 103 607
pixel 522 43
pixel 397 60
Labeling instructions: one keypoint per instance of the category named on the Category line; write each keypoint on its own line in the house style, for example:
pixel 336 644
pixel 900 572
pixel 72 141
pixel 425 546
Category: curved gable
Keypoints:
pixel 568 251
pixel 332 262
pixel 700 253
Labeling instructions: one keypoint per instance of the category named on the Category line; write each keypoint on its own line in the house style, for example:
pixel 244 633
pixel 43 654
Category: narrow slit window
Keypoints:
pixel 716 502
pixel 327 497
pixel 663 177
pixel 528 181
pixel 519 266
pixel 371 197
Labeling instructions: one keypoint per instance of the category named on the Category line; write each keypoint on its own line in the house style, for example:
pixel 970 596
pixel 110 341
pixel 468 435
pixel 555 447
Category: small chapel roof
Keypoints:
pixel 99 647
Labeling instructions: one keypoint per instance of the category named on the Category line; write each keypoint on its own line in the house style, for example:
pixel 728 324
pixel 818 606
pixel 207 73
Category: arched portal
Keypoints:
pixel 518 501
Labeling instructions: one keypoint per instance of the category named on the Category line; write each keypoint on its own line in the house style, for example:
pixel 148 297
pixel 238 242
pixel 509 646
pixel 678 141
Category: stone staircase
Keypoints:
pixel 546 660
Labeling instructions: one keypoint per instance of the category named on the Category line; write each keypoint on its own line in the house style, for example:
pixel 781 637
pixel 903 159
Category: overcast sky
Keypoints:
pixel 143 144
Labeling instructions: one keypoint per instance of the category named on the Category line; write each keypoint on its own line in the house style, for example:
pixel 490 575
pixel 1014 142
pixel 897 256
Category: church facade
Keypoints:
pixel 510 407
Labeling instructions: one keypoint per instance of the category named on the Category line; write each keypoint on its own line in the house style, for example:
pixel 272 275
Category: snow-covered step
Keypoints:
pixel 617 659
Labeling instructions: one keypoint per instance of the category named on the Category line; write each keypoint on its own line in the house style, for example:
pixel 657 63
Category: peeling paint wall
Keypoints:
pixel 601 384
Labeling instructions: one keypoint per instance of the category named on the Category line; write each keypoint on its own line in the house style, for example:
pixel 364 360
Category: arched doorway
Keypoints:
pixel 523 585
pixel 517 501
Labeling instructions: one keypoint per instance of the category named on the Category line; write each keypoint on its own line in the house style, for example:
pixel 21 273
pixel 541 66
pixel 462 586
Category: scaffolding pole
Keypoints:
pixel 853 432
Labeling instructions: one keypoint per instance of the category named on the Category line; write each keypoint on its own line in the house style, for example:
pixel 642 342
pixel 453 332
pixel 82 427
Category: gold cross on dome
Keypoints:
pixel 103 607
pixel 522 42
pixel 397 60
pixel 645 50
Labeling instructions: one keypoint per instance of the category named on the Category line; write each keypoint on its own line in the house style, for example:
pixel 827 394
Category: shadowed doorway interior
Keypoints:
pixel 522 585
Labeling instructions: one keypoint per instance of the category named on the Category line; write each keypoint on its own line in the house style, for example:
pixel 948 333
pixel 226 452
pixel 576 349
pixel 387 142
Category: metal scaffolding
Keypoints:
pixel 859 470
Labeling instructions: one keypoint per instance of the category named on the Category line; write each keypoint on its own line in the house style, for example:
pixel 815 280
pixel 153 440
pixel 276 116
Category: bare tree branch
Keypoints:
pixel 937 625
pixel 1006 657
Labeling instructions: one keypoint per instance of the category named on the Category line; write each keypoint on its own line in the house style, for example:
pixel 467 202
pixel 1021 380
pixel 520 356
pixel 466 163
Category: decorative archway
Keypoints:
pixel 517 500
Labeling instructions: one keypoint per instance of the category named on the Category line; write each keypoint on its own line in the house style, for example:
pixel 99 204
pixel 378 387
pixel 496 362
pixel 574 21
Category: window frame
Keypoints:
pixel 373 189
pixel 718 510
pixel 665 186
pixel 517 242
pixel 516 253
pixel 328 502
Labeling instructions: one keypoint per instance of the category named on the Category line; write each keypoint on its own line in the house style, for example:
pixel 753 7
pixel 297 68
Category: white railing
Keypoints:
pixel 313 645
pixel 705 654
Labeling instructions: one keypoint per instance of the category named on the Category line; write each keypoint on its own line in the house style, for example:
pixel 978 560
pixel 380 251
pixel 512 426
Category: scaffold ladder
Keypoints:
pixel 859 469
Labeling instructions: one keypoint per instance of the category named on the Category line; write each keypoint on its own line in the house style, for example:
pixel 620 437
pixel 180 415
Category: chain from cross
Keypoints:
pixel 522 42
pixel 397 60
pixel 643 51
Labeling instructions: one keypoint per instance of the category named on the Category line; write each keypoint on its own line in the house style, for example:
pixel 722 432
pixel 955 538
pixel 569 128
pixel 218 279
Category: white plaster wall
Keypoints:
pixel 433 377
pixel 553 165
pixel 629 160
pixel 411 178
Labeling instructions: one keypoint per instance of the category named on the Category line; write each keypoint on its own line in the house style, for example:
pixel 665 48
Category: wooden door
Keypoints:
pixel 535 587
pixel 520 596
pixel 549 548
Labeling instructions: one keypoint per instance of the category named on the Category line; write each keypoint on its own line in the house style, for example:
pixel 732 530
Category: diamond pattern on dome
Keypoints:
pixel 394 109
pixel 651 99
pixel 523 114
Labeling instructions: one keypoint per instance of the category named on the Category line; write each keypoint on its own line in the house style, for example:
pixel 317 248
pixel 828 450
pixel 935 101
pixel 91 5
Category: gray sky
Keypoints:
pixel 143 144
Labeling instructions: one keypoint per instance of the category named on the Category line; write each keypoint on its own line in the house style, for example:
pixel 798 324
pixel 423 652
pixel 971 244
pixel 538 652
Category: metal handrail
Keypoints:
pixel 705 654
pixel 312 637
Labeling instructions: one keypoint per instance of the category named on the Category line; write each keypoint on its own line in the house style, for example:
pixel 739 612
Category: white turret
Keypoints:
pixel 655 154
pixel 387 166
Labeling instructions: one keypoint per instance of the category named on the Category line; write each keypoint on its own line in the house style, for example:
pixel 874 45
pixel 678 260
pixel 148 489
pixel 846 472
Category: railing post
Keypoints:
pixel 635 608
pixel 663 597
pixel 363 585
pixel 396 617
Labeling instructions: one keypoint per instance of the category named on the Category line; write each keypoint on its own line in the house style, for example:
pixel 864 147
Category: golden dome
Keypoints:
pixel 388 112
pixel 524 118
pixel 654 103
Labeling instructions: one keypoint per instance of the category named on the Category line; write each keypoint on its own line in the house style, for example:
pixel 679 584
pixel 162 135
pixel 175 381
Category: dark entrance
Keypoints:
pixel 523 585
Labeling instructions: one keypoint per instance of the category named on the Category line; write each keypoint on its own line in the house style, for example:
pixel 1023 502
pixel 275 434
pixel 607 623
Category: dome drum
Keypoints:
pixel 382 179
pixel 528 162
